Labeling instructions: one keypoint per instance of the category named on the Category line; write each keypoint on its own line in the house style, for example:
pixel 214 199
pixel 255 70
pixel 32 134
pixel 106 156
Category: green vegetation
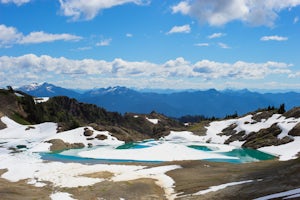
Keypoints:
pixel 281 109
pixel 19 119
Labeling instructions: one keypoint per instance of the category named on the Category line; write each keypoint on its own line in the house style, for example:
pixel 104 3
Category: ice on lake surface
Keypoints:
pixel 159 151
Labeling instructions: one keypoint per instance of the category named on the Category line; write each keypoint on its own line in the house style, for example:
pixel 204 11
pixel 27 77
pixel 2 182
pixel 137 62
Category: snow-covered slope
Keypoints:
pixel 35 137
pixel 238 132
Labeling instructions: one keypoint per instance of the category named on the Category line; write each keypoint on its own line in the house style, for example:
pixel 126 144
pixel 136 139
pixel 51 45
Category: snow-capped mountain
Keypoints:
pixel 47 90
pixel 110 90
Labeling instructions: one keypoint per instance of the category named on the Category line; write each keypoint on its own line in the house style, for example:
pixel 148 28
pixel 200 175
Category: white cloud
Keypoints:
pixel 296 19
pixel 182 7
pixel 41 37
pixel 104 42
pixel 240 69
pixel 87 10
pixel 216 35
pixel 274 38
pixel 17 2
pixel 129 35
pixel 10 36
pixel 33 68
pixel 202 44
pixel 223 45
pixel 180 29
pixel 221 12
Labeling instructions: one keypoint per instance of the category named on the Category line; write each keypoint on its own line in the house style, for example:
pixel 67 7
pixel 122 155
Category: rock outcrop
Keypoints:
pixel 266 137
pixel 60 145
pixel 295 131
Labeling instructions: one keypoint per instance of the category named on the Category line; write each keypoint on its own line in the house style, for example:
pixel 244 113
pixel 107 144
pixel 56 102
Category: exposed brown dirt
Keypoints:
pixel 269 177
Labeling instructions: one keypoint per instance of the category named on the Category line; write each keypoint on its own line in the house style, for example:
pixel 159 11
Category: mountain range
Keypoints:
pixel 209 103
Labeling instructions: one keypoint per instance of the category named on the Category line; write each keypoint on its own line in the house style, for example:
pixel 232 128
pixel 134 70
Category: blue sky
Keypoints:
pixel 184 44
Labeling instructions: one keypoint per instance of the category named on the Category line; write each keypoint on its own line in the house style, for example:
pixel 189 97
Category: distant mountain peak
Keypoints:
pixel 110 90
pixel 47 90
pixel 31 87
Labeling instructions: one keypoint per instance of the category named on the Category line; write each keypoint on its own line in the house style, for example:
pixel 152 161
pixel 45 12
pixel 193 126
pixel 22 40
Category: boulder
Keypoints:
pixel 87 132
pixel 101 137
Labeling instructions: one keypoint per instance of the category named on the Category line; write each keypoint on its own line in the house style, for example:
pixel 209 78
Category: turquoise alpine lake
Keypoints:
pixel 242 155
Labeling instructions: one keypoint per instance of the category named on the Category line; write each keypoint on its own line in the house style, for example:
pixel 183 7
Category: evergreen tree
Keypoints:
pixel 281 109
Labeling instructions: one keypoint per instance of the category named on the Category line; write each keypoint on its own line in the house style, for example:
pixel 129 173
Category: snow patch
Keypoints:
pixel 153 121
pixel 61 196
pixel 40 99
pixel 220 187
pixel 285 151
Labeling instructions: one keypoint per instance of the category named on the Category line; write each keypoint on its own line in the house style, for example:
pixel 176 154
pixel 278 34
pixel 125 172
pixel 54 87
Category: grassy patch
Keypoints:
pixel 198 128
pixel 19 119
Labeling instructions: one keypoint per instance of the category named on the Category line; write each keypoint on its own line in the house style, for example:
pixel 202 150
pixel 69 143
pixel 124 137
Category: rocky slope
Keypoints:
pixel 70 114
pixel 261 130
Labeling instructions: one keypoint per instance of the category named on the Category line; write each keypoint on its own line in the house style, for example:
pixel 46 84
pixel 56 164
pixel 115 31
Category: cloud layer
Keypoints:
pixel 221 12
pixel 33 68
pixel 10 36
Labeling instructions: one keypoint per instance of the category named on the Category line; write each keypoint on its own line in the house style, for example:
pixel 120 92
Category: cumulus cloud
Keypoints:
pixel 274 38
pixel 216 35
pixel 180 29
pixel 87 10
pixel 10 36
pixel 33 68
pixel 221 12
pixel 104 42
pixel 182 7
pixel 17 2
pixel 129 35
